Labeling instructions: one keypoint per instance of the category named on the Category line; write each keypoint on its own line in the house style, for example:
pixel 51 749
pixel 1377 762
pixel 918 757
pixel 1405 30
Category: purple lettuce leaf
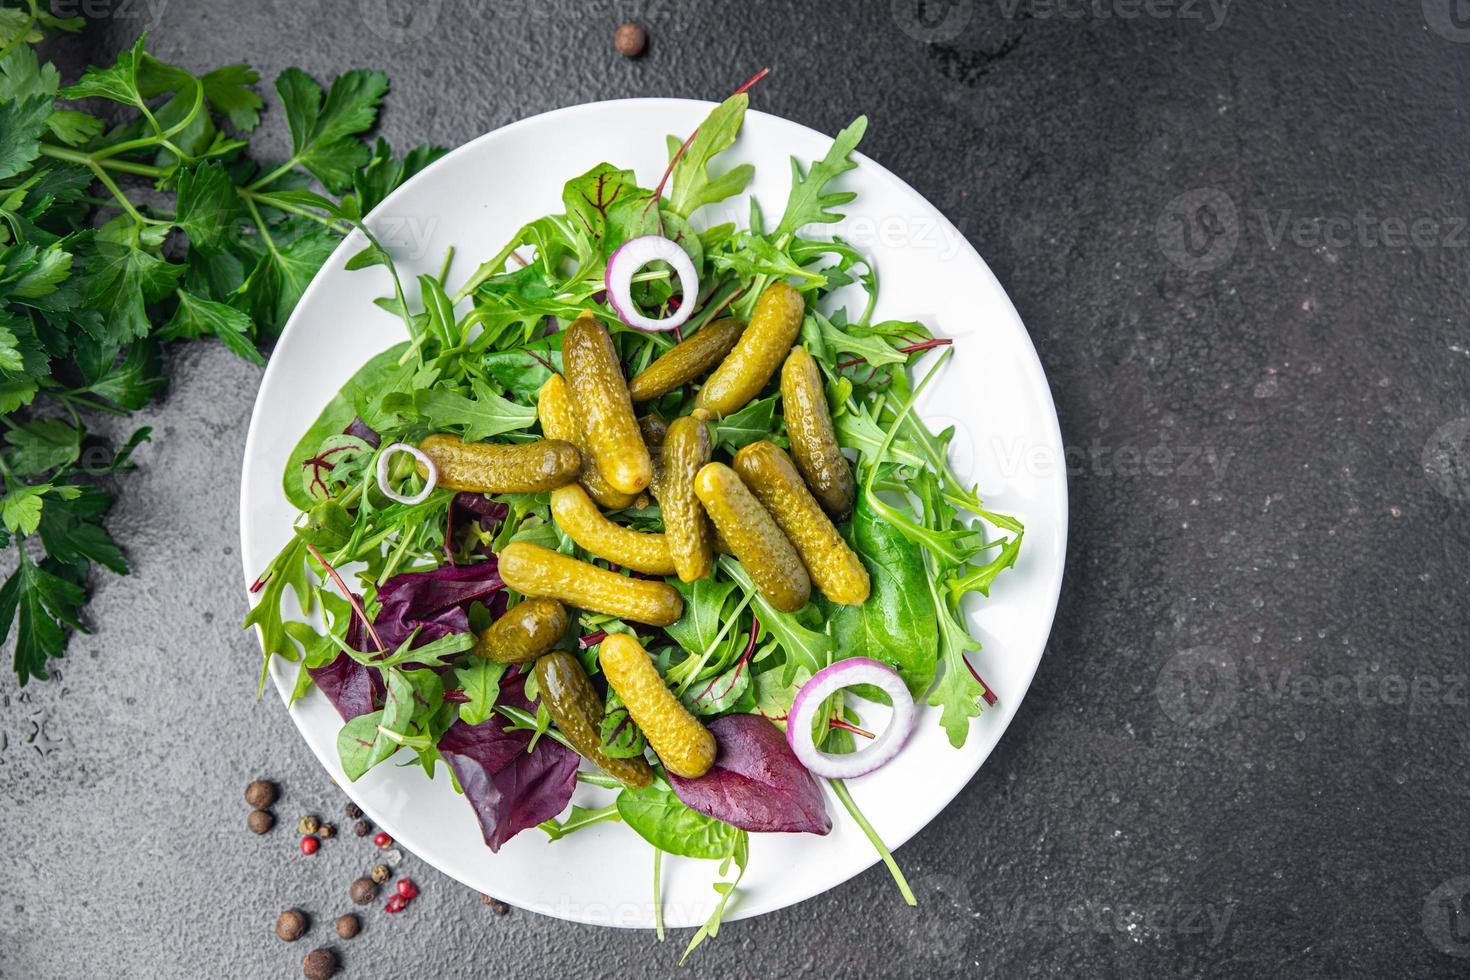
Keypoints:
pixel 756 783
pixel 353 688
pixel 436 600
pixel 509 788
pixel 357 427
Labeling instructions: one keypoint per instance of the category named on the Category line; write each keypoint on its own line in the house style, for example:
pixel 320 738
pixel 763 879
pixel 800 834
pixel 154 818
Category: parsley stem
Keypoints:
pixel 340 228
pixel 87 160
pixel 840 788
pixel 265 234
pixel 122 199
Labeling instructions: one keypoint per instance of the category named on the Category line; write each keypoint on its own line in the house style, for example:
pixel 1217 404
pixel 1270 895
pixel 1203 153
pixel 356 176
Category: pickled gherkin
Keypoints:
pixel 523 633
pixel 567 692
pixel 754 537
pixel 813 439
pixel 757 354
pixel 683 745
pixel 484 467
pixel 533 570
pixel 835 569
pixel 604 407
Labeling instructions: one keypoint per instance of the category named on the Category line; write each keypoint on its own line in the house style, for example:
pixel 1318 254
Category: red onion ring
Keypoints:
pixel 402 447
pixel 825 683
pixel 633 255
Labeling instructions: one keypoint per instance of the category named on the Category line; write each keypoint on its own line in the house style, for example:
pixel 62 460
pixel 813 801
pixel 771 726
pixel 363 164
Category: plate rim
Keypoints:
pixel 355 241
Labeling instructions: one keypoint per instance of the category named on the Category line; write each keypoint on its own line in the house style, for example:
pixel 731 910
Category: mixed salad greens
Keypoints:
pixel 407 583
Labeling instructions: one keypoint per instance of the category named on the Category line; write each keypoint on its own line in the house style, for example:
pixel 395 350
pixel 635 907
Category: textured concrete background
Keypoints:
pixel 1245 752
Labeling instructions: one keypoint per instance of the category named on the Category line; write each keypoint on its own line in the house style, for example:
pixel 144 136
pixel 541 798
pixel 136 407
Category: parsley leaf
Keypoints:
pixel 323 131
pixel 40 600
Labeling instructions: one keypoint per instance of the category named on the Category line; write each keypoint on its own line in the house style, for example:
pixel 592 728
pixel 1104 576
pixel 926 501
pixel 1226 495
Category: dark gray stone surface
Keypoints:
pixel 1245 752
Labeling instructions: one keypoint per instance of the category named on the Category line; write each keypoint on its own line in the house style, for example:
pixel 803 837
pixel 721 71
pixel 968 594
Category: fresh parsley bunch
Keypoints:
pixel 131 215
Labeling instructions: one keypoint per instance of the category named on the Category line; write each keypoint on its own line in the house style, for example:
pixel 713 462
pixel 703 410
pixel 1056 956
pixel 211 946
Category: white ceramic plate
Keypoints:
pixel 993 391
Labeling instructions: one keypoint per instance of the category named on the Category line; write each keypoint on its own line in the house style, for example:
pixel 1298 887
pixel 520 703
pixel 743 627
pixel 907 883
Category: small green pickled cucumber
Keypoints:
pixel 753 536
pixel 604 408
pixel 487 467
pixel 524 633
pixel 567 692
pixel 536 571
pixel 683 745
pixel 835 569
pixel 689 359
pixel 756 355
pixel 813 440
pixel 558 415
pixel 690 538
pixel 576 514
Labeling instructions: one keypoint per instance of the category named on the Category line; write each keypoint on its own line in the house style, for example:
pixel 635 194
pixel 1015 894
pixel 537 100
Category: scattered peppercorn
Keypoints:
pixel 631 40
pixel 260 821
pixel 362 828
pixel 381 874
pixel 407 889
pixel 308 825
pixel 395 903
pixel 353 811
pixel 348 926
pixel 499 907
pixel 260 794
pixel 291 925
pixel 320 964
pixel 326 831
pixel 309 845
pixel 382 839
pixel 363 891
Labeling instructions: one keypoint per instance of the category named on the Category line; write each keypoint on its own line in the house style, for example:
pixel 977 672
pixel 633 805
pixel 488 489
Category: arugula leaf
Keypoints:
pixel 740 854
pixel 805 648
pixel 476 417
pixel 808 204
pixel 480 681
pixel 40 600
pixel 693 187
pixel 754 422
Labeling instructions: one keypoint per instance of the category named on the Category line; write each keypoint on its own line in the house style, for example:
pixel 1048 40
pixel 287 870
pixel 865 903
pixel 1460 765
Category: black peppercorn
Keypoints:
pixel 362 828
pixel 348 926
pixel 260 821
pixel 381 873
pixel 631 40
pixel 319 964
pixel 260 794
pixel 326 831
pixel 496 905
pixel 354 812
pixel 363 891
pixel 291 925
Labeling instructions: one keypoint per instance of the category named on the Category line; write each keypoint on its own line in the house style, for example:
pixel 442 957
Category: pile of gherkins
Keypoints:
pixel 773 511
